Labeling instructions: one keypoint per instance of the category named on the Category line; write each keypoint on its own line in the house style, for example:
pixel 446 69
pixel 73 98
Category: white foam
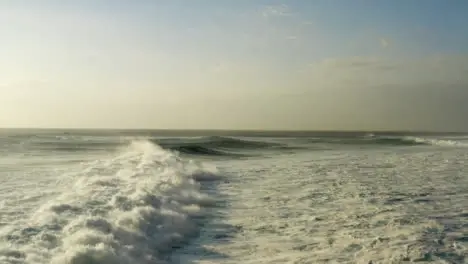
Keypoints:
pixel 133 208
pixel 318 208
pixel 438 142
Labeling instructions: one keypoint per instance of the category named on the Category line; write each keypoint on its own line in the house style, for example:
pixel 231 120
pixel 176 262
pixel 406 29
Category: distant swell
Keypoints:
pixel 205 146
pixel 385 141
pixel 229 147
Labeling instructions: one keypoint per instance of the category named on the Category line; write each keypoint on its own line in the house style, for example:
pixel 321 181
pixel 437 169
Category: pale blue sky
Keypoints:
pixel 238 64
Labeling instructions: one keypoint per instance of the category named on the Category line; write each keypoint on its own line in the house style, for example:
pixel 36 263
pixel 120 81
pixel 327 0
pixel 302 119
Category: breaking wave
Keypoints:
pixel 133 208
pixel 388 141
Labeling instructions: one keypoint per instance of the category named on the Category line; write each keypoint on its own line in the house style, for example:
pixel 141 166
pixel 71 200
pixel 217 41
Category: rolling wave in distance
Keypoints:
pixel 231 147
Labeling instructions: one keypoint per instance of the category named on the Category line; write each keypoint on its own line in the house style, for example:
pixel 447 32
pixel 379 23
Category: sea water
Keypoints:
pixel 148 197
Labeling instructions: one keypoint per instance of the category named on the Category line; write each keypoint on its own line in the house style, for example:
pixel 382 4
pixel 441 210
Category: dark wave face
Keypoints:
pixel 218 146
pixel 200 150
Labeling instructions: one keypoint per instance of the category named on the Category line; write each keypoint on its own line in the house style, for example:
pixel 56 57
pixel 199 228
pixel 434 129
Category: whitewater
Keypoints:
pixel 89 197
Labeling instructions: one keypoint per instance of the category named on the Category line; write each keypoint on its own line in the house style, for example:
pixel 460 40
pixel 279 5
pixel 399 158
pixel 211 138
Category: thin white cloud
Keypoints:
pixel 383 43
pixel 366 71
pixel 23 83
pixel 292 37
pixel 276 23
pixel 276 11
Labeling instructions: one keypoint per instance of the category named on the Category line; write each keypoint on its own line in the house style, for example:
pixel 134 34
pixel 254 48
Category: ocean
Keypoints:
pixel 134 197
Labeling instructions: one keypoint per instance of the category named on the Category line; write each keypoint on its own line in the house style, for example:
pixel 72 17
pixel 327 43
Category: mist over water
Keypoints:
pixel 142 197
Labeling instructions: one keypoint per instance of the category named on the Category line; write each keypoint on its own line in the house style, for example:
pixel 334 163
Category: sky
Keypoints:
pixel 243 64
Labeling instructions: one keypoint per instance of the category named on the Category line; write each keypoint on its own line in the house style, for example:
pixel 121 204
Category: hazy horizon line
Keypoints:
pixel 237 131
